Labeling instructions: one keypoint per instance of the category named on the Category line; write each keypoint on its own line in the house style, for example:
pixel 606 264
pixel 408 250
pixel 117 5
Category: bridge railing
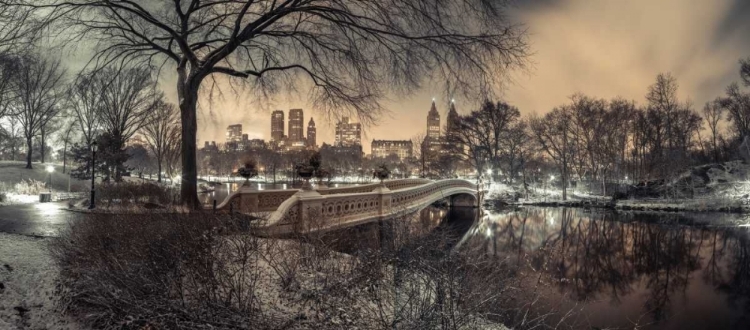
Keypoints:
pixel 248 201
pixel 310 211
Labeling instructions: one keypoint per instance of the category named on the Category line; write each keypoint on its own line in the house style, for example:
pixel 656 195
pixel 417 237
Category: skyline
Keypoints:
pixel 699 44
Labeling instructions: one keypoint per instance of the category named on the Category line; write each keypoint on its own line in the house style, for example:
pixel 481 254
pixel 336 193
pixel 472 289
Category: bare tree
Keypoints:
pixel 713 112
pixel 662 97
pixel 737 105
pixel 348 55
pixel 13 141
pixel 482 136
pixel 420 152
pixel 8 69
pixel 50 124
pixel 127 99
pixel 469 141
pixel 67 135
pixel 745 71
pixel 553 133
pixel 38 88
pixel 85 101
pixel 17 28
pixel 158 130
pixel 173 149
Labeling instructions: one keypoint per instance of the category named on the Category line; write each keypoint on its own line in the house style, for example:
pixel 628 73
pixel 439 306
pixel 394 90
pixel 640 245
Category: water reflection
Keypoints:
pixel 624 269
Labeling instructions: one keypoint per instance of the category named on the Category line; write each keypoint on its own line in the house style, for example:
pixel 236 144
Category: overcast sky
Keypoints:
pixel 603 48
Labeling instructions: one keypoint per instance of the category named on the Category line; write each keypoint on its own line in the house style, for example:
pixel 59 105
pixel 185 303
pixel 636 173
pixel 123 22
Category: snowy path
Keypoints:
pixel 35 219
pixel 27 285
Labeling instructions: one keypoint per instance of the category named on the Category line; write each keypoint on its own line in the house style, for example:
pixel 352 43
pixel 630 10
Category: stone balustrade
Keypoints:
pixel 308 211
pixel 246 200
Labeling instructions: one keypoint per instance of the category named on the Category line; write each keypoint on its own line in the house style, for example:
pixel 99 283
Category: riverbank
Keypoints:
pixel 646 205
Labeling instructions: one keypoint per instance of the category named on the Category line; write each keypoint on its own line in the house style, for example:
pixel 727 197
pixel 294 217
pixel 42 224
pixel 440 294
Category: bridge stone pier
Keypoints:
pixel 304 211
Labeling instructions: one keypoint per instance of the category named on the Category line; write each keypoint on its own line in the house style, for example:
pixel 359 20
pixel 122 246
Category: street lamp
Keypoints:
pixel 50 169
pixel 92 203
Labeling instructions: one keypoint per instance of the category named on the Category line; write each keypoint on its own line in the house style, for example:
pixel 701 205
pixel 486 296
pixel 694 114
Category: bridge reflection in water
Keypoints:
pixel 618 270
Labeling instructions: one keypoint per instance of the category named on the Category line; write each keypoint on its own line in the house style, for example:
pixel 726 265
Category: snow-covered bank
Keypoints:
pixel 28 282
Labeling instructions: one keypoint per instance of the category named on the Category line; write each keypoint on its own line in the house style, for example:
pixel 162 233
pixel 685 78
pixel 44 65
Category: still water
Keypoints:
pixel 614 270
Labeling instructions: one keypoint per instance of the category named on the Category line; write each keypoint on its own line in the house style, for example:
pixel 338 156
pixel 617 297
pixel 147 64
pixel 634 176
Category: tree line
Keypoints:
pixel 39 100
pixel 590 139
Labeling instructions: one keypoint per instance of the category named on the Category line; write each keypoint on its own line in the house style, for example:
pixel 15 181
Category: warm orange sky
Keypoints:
pixel 603 48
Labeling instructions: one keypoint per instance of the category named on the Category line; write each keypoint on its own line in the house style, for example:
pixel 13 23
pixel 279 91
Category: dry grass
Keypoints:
pixel 126 194
pixel 162 271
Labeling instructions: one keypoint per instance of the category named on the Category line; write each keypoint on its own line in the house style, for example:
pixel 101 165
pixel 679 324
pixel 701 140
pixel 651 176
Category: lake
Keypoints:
pixel 612 269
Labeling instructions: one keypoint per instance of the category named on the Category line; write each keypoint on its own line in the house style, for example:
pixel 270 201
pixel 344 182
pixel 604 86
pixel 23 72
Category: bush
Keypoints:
pixel 127 193
pixel 168 271
pixel 30 187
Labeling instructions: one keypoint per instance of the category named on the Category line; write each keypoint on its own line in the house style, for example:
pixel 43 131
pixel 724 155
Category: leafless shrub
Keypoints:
pixel 126 193
pixel 30 187
pixel 166 270
pixel 196 271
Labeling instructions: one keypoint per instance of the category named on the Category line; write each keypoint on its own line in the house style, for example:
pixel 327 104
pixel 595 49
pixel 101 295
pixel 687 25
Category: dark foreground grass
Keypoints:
pixel 199 271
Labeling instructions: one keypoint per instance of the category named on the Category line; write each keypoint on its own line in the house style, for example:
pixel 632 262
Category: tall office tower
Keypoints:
pixel 433 123
pixel 296 133
pixel 450 125
pixel 277 126
pixel 311 135
pixel 234 133
pixel 348 134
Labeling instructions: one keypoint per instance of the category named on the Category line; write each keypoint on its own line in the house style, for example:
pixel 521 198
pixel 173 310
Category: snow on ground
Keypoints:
pixel 27 286
pixel 12 199
pixel 12 173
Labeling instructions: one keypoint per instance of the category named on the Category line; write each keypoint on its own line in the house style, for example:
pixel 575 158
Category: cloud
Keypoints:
pixel 603 48
pixel 616 48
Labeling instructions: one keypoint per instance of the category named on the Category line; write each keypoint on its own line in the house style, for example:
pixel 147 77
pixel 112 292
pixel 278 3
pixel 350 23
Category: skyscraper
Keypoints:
pixel 234 133
pixel 450 124
pixel 296 121
pixel 311 135
pixel 277 126
pixel 348 134
pixel 433 123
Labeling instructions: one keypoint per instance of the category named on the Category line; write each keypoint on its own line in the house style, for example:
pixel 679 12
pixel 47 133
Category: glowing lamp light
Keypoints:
pixel 489 171
pixel 50 169
pixel 551 177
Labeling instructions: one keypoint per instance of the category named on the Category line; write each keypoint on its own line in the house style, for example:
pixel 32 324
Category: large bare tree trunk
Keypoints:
pixel 42 146
pixel 158 165
pixel 187 90
pixel 29 147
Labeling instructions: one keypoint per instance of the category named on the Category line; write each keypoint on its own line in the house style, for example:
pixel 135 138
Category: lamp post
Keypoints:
pixel 50 169
pixel 92 203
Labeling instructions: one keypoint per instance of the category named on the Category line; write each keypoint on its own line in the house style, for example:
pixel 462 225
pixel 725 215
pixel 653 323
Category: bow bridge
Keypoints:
pixel 298 211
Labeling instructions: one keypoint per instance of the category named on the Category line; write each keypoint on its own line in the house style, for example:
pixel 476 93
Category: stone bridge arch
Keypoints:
pixel 309 211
